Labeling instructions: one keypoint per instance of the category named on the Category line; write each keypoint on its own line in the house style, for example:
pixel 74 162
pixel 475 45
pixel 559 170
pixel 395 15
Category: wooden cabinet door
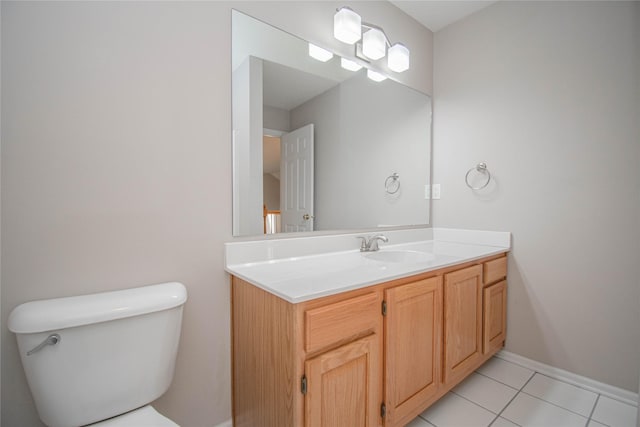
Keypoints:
pixel 495 316
pixel 462 322
pixel 413 328
pixel 344 386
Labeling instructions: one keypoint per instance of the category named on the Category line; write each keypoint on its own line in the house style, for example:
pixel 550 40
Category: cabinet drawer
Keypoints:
pixel 340 321
pixel 495 270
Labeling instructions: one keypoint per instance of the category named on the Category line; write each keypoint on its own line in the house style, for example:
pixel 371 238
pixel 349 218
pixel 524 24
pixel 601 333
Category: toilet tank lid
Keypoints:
pixel 60 313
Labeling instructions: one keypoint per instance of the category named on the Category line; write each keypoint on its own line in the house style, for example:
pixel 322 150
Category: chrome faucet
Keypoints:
pixel 370 244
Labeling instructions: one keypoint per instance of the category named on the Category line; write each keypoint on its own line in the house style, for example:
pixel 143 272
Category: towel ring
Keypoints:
pixel 481 168
pixel 392 183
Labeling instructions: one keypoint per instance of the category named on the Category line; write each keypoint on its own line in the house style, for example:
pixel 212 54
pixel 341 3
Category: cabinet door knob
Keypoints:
pixel 306 217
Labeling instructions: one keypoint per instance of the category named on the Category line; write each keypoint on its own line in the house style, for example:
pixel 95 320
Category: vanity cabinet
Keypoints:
pixel 495 305
pixel 413 331
pixel 376 356
pixel 342 386
pixel 462 322
pixel 316 363
pixel 495 316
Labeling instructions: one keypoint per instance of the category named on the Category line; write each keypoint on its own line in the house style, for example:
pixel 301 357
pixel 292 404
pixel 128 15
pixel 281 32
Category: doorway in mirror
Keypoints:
pixel 288 180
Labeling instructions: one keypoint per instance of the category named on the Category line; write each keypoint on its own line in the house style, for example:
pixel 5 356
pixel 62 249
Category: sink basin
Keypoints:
pixel 399 256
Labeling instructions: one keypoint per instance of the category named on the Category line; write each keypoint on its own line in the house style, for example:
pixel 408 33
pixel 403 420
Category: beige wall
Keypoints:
pixel 547 94
pixel 116 165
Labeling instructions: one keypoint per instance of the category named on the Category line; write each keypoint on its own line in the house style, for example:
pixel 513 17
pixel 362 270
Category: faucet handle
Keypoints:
pixel 363 244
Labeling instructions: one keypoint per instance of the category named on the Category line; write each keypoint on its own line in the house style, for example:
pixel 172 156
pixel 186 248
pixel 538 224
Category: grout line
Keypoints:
pixel 599 422
pixel 568 383
pixel 597 387
pixel 554 404
pixel 499 382
pixel 506 406
pixel 544 400
pixel 509 386
pixel 594 406
pixel 514 363
pixel 528 381
pixel 594 410
pixel 617 400
pixel 514 397
pixel 521 390
pixel 493 421
pixel 471 401
pixel 420 416
pixel 515 424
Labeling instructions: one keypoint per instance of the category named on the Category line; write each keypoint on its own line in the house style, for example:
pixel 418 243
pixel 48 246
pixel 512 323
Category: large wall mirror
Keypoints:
pixel 317 147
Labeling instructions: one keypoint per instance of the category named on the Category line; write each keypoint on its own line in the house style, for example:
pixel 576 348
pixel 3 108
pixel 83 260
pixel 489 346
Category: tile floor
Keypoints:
pixel 503 394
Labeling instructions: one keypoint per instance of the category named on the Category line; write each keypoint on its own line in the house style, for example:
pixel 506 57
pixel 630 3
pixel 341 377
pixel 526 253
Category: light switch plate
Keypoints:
pixel 435 192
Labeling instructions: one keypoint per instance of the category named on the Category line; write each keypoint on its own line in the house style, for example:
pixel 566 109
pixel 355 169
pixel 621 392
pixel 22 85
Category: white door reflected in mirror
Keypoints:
pixel 296 179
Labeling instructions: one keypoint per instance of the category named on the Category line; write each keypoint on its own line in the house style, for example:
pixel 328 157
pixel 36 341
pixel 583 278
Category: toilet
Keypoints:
pixel 101 359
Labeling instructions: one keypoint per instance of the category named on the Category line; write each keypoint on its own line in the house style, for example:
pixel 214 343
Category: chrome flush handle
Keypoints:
pixel 52 339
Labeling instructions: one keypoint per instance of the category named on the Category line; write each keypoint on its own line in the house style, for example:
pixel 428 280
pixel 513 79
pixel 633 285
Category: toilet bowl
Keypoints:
pixel 101 359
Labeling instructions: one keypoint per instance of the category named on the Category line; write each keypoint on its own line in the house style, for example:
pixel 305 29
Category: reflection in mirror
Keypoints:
pixel 319 147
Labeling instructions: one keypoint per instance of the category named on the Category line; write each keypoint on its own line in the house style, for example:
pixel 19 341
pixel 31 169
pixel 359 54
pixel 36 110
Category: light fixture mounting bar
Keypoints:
pixel 360 55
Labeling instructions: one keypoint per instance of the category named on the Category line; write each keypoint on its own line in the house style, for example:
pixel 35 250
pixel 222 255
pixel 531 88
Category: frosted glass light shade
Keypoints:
pixel 350 65
pixel 375 76
pixel 319 53
pixel 398 58
pixel 347 25
pixel 374 44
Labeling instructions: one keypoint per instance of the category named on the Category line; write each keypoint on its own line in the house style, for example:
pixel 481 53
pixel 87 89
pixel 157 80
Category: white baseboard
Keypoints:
pixel 613 392
pixel 227 423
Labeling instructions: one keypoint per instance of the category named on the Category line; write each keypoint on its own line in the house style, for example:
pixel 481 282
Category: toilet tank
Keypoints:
pixel 116 351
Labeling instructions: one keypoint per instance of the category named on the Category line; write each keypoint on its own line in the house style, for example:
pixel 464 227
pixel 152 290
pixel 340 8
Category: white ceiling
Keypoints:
pixel 437 14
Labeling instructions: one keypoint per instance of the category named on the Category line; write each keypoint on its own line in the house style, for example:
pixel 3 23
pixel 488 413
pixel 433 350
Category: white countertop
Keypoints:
pixel 329 265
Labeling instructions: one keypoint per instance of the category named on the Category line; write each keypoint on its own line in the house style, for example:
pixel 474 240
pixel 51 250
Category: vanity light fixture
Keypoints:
pixel 348 28
pixel 374 44
pixel 350 65
pixel 319 53
pixel 375 76
pixel 398 58
pixel 347 25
